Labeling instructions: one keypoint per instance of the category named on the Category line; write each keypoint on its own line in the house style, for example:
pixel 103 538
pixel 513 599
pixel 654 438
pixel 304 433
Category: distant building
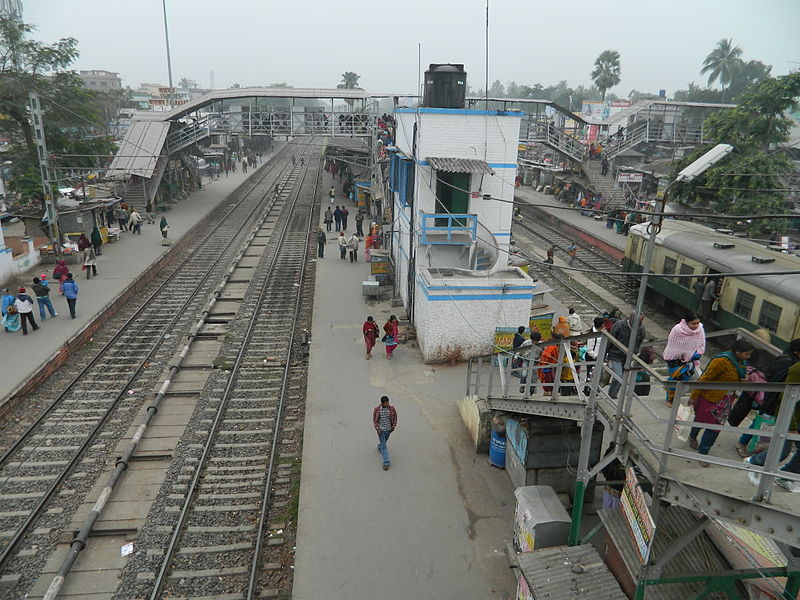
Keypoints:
pixel 11 8
pixel 101 80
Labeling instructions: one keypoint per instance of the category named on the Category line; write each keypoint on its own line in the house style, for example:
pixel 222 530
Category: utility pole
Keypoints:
pixel 169 61
pixel 44 170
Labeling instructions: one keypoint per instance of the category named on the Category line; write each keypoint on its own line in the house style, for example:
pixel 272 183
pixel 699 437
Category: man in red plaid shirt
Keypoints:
pixel 384 419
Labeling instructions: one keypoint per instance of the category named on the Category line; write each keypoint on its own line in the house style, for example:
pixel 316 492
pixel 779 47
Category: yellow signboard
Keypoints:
pixel 543 324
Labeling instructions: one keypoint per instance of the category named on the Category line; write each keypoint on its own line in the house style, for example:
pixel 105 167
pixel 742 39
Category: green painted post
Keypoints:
pixel 577 512
pixel 792 589
pixel 639 593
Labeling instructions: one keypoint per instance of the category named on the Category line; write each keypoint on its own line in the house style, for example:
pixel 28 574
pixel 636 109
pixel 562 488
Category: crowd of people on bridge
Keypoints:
pixel 536 357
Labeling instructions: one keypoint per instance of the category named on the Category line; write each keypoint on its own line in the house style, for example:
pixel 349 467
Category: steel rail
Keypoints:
pixel 169 552
pixel 35 513
pixel 79 543
pixel 265 505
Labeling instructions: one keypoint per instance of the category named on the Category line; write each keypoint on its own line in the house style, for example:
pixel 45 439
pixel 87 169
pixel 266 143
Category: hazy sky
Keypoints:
pixel 310 43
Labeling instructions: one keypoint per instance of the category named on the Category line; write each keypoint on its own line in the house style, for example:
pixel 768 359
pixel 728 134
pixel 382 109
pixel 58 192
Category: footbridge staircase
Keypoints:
pixel 714 489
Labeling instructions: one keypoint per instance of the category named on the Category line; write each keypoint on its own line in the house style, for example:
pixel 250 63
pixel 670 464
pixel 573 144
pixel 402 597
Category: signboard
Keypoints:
pixel 637 515
pixel 544 324
pixel 504 338
pixel 629 177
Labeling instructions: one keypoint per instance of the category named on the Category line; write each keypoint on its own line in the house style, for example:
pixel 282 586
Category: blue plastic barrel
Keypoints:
pixel 497 450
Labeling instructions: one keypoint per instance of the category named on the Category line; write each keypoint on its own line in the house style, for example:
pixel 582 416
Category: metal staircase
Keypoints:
pixel 632 136
pixel 548 134
pixel 188 135
pixel 140 192
pixel 605 185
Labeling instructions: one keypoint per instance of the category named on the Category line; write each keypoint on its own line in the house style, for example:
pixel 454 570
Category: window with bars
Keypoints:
pixel 770 316
pixel 670 264
pixel 686 281
pixel 744 304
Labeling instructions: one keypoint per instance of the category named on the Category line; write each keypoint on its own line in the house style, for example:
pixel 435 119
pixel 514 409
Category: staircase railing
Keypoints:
pixel 188 135
pixel 547 133
pixel 630 137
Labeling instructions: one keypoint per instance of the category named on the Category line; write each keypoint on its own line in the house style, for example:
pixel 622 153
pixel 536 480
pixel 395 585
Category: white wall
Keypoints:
pixel 452 325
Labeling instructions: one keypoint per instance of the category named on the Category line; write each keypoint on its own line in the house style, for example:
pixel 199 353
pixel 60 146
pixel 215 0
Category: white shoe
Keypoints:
pixel 754 478
pixel 787 485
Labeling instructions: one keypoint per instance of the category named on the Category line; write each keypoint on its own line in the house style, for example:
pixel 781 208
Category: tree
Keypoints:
pixel 73 115
pixel 349 81
pixel 606 71
pixel 749 180
pixel 722 62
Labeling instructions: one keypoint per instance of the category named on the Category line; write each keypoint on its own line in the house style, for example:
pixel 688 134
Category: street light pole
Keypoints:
pixel 688 174
pixel 169 60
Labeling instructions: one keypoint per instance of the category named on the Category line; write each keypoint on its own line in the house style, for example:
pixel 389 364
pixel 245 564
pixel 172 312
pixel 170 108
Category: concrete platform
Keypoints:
pixel 573 219
pixel 119 265
pixel 436 523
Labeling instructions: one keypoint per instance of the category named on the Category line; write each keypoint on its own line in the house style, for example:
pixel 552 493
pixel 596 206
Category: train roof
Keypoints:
pixel 696 241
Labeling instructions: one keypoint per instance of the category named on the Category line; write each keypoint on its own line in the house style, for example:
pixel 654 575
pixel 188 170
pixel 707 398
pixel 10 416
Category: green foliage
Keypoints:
pixel 722 62
pixel 748 181
pixel 606 72
pixel 71 112
pixel 349 81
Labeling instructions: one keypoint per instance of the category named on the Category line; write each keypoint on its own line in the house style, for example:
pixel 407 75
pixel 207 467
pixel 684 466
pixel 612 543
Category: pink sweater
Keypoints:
pixel 683 342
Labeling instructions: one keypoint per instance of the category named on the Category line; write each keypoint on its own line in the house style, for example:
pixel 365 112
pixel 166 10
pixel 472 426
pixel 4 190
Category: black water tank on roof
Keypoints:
pixel 445 86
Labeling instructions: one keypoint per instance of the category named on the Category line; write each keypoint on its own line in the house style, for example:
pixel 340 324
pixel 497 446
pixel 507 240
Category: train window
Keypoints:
pixel 686 281
pixel 634 248
pixel 744 304
pixel 770 315
pixel 669 265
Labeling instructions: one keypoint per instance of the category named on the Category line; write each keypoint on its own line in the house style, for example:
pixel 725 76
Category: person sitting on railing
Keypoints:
pixel 713 406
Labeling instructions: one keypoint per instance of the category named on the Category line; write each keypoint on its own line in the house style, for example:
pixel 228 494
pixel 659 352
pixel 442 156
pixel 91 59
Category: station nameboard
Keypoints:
pixel 637 515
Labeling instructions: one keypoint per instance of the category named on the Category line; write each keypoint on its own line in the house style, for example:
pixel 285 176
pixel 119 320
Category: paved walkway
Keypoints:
pixel 551 205
pixel 435 524
pixel 119 265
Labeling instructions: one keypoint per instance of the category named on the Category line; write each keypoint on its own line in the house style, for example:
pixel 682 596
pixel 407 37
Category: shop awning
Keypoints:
pixel 459 165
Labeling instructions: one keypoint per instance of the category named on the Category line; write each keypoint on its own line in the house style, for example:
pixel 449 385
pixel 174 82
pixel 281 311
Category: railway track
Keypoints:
pixel 56 459
pixel 587 257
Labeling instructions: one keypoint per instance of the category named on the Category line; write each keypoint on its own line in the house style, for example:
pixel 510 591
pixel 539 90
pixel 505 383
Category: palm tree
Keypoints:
pixel 606 71
pixel 349 81
pixel 722 63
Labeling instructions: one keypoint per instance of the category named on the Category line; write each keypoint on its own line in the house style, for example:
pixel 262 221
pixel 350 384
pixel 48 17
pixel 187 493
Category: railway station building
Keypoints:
pixel 451 179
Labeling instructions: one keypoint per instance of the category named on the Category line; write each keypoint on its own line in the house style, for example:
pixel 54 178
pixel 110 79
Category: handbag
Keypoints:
pixel 685 415
pixel 384 338
pixel 740 409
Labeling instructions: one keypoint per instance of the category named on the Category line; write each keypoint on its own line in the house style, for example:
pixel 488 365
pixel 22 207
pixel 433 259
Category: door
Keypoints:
pixel 452 196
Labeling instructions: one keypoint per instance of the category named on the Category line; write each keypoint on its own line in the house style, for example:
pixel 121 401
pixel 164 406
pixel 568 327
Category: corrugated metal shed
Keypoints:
pixel 700 556
pixel 568 573
pixel 139 151
pixel 459 165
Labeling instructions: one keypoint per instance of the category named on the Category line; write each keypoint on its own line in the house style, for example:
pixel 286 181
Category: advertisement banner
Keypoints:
pixel 543 324
pixel 636 514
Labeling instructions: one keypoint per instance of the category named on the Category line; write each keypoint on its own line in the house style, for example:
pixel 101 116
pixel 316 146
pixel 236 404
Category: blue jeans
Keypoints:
pixel 383 437
pixel 793 466
pixel 706 441
pixel 616 368
pixel 42 302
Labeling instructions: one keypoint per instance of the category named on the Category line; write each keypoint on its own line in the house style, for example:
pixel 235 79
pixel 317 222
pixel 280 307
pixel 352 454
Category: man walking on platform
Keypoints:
pixel 43 299
pixel 24 306
pixel 384 419
pixel 70 289
pixel 345 213
pixel 337 217
pixel 352 246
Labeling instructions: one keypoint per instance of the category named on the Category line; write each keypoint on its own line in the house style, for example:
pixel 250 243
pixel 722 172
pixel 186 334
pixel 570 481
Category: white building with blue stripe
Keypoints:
pixel 452 175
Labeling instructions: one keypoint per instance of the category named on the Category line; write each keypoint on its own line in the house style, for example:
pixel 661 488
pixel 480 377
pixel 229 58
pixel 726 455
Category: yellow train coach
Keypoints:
pixel 746 300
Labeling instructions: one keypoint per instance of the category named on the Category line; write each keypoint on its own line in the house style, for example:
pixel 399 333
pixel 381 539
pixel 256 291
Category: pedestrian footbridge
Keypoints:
pixel 153 138
pixel 643 433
